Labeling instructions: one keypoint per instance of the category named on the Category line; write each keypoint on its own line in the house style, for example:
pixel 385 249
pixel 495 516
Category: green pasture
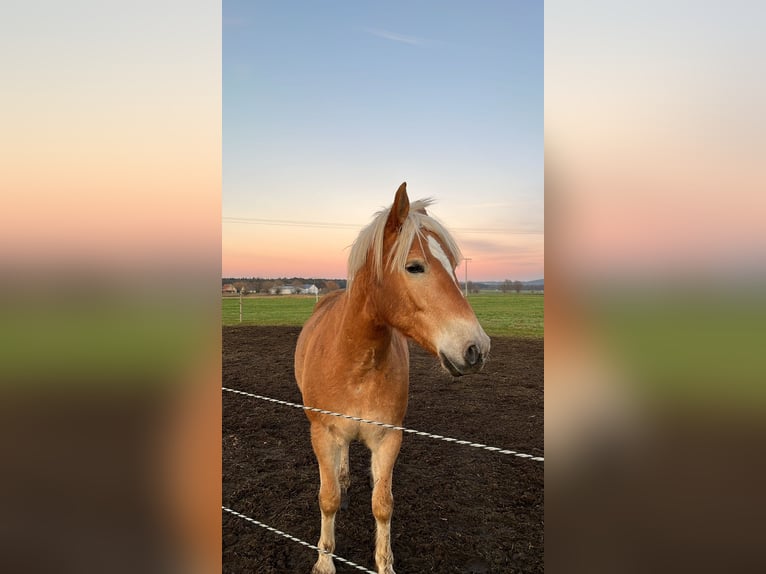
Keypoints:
pixel 268 310
pixel 501 314
pixel 509 314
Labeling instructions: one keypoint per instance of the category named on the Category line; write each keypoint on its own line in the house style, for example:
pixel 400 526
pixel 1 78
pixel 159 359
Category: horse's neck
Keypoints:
pixel 361 323
pixel 375 345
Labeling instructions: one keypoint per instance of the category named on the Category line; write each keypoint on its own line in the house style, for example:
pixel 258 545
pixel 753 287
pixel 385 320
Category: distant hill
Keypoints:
pixel 262 285
pixel 532 283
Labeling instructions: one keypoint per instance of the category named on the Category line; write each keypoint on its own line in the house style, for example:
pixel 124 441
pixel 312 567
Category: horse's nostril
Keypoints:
pixel 472 355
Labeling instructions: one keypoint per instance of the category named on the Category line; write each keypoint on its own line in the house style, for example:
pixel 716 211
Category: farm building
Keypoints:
pixel 283 290
pixel 228 289
pixel 293 290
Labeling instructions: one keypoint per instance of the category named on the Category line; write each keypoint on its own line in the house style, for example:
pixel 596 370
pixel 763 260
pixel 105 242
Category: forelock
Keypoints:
pixel 369 243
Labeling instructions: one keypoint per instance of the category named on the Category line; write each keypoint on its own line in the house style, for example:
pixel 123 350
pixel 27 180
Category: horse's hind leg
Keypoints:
pixel 344 477
pixel 384 456
pixel 328 453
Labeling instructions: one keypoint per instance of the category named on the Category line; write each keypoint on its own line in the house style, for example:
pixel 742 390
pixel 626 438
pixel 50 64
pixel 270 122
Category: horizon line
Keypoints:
pixel 346 279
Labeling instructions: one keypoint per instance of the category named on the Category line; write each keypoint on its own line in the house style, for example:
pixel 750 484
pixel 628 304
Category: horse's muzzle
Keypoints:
pixel 473 361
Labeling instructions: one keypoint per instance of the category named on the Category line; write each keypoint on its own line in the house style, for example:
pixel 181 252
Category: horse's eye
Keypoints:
pixel 415 268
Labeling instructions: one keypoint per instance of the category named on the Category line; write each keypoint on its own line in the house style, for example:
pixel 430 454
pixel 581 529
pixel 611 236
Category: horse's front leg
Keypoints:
pixel 328 452
pixel 384 455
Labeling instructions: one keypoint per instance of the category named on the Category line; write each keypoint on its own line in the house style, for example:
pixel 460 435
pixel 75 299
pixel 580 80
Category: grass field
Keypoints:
pixel 501 314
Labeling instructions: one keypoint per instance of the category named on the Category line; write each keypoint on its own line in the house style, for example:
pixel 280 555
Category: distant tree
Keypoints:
pixel 253 286
pixel 331 286
pixel 518 286
pixel 506 286
pixel 240 285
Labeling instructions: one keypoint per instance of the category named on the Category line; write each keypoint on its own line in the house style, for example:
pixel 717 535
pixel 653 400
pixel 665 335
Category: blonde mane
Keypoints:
pixel 370 241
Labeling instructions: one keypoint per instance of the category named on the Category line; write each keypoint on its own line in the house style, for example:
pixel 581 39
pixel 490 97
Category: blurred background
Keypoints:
pixel 110 262
pixel 110 236
pixel 655 304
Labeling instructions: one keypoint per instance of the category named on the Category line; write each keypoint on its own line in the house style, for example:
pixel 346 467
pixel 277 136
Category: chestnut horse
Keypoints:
pixel 352 355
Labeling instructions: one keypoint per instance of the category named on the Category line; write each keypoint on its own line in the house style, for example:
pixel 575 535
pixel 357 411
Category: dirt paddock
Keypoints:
pixel 457 509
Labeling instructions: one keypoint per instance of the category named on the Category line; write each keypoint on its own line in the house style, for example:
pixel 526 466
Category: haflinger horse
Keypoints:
pixel 352 355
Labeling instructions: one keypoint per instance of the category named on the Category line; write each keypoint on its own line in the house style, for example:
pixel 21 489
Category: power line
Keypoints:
pixel 334 225
pixel 289 223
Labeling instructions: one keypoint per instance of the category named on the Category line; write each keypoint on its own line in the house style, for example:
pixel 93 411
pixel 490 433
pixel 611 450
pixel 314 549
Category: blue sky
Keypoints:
pixel 329 106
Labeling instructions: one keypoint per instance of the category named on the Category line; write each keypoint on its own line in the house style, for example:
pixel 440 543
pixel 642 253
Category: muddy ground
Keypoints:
pixel 457 509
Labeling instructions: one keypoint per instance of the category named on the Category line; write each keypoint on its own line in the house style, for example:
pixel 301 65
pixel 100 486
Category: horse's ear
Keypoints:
pixel 400 209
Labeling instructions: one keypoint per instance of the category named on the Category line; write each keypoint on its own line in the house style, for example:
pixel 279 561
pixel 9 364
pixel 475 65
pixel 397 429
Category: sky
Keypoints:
pixel 328 107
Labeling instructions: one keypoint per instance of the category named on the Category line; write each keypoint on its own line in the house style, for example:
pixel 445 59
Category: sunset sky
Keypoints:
pixel 328 107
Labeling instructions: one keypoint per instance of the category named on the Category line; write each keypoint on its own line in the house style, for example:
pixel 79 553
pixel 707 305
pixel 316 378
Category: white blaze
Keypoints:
pixel 438 252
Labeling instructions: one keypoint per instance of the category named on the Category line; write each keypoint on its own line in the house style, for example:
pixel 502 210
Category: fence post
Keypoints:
pixel 240 305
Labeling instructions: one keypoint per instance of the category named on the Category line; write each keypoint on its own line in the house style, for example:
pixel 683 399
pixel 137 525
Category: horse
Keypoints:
pixel 352 355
